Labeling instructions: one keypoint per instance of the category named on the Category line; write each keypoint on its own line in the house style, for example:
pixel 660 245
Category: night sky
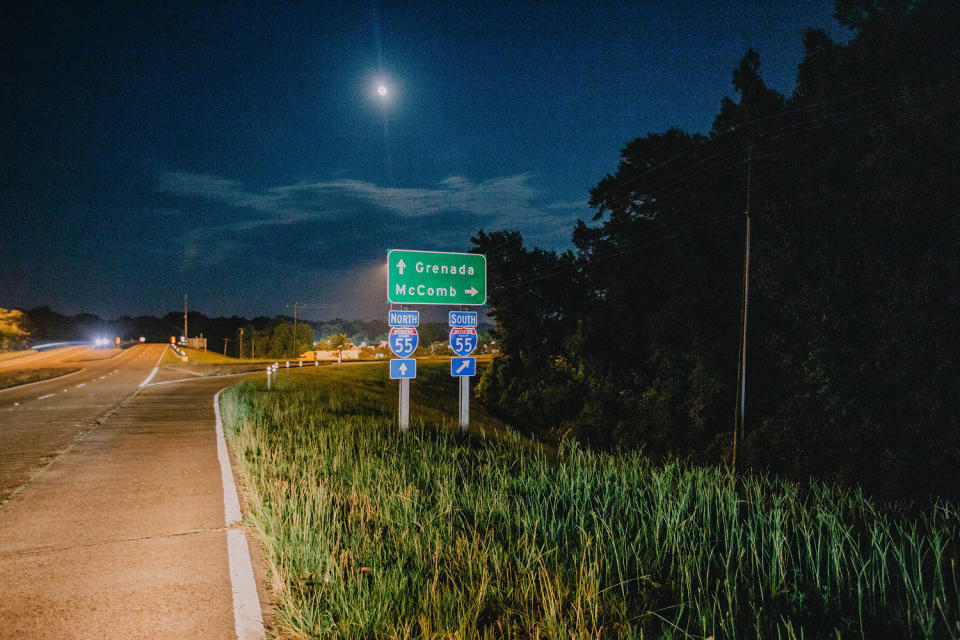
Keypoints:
pixel 239 152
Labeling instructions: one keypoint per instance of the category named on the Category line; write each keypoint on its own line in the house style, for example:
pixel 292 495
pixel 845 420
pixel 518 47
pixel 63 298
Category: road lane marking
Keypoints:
pixel 247 616
pixel 82 384
pixel 219 375
pixel 49 395
pixel 155 369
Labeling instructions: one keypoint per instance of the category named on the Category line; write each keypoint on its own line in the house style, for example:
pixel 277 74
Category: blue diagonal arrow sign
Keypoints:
pixel 463 366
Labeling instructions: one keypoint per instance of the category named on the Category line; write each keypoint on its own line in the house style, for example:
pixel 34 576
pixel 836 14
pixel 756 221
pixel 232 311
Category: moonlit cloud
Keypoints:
pixel 328 240
pixel 457 206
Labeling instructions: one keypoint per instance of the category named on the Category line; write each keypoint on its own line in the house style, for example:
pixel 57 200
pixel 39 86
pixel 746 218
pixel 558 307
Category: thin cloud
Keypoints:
pixel 508 202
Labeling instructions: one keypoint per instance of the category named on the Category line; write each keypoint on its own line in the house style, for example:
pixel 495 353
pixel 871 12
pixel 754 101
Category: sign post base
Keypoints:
pixel 464 403
pixel 404 404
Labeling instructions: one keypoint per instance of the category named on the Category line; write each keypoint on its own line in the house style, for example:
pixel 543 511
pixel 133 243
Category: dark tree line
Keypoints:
pixel 273 336
pixel 853 343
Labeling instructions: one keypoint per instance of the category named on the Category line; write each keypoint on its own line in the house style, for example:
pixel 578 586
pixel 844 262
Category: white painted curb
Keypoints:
pixel 247 616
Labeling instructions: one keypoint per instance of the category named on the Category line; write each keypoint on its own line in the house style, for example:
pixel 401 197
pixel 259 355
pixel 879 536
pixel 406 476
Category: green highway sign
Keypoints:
pixel 435 277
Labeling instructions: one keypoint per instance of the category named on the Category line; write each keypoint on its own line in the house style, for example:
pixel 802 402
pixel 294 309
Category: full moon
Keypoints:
pixel 382 90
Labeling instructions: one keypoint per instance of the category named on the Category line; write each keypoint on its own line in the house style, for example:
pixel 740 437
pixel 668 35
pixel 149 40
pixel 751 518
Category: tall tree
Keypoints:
pixel 853 330
pixel 14 330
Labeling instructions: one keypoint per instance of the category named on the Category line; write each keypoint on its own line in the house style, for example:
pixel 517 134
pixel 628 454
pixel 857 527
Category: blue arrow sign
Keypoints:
pixel 403 368
pixel 403 341
pixel 403 318
pixel 463 318
pixel 462 366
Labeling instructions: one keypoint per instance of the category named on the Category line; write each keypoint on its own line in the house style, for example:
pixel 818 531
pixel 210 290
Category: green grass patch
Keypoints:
pixel 97 354
pixel 371 533
pixel 25 376
pixel 199 356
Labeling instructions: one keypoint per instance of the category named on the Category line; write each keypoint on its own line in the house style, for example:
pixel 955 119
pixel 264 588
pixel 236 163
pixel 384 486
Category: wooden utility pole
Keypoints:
pixel 225 341
pixel 739 431
pixel 296 346
pixel 240 352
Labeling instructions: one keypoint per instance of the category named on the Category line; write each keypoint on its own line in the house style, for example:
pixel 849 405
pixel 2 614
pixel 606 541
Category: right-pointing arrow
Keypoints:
pixel 463 365
pixel 472 291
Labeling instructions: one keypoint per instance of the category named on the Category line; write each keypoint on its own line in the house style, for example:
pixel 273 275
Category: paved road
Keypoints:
pixel 112 523
pixel 37 421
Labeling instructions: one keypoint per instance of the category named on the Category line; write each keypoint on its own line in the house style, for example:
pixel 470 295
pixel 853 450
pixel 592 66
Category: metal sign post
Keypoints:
pixel 403 340
pixel 404 404
pixel 403 369
pixel 463 340
pixel 464 403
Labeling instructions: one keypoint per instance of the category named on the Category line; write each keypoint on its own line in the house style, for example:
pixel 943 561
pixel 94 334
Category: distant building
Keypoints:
pixel 353 353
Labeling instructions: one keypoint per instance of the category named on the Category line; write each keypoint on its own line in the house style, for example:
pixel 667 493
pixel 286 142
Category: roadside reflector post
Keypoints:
pixel 269 370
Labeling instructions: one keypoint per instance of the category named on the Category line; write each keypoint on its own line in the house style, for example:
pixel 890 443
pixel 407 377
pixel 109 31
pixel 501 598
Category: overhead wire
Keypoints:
pixel 688 172
pixel 676 181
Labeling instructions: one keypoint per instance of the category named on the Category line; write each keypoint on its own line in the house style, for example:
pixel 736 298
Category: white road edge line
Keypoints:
pixel 49 395
pixel 155 369
pixel 150 377
pixel 247 616
pixel 224 375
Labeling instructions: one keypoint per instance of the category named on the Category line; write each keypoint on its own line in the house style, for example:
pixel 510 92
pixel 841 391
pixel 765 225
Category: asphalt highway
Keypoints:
pixel 112 503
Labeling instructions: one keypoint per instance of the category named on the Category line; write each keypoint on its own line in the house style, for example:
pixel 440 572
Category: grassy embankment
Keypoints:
pixel 211 362
pixel 10 355
pixel 26 376
pixel 428 534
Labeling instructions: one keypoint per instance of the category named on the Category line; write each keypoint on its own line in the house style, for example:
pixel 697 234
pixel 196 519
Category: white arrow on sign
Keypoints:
pixel 472 291
pixel 401 266
pixel 463 365
pixel 403 368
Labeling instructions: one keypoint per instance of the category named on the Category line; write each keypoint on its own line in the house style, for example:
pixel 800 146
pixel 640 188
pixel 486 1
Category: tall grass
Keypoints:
pixel 375 534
